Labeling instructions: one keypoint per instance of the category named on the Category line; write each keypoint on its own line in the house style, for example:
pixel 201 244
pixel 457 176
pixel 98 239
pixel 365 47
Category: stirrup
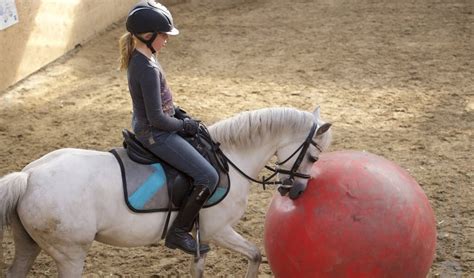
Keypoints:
pixel 198 240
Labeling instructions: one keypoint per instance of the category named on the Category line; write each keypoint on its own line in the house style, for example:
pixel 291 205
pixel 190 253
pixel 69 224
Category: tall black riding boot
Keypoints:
pixel 178 236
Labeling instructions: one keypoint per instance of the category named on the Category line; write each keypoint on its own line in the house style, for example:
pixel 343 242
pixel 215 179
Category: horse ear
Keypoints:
pixel 316 113
pixel 322 129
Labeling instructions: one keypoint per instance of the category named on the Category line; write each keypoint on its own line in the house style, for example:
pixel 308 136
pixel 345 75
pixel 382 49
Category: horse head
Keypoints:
pixel 297 157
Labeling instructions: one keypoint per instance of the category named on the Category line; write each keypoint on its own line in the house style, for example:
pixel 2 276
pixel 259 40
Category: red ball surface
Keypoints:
pixel 360 216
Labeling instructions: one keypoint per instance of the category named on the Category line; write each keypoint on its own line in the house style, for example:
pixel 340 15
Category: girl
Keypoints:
pixel 149 26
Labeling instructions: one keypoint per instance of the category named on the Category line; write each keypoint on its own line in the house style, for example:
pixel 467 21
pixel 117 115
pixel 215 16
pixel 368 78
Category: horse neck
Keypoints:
pixel 253 159
pixel 251 138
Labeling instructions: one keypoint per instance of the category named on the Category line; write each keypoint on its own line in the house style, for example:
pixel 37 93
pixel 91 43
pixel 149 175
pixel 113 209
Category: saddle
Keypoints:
pixel 136 151
pixel 135 157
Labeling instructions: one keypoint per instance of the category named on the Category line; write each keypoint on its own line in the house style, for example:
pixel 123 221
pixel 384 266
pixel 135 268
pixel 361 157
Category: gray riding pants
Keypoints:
pixel 175 151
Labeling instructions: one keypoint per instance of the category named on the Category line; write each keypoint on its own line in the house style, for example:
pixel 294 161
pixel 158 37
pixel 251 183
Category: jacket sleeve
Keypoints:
pixel 151 90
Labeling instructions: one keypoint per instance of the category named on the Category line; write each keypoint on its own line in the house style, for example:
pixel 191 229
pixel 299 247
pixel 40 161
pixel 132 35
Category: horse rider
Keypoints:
pixel 156 121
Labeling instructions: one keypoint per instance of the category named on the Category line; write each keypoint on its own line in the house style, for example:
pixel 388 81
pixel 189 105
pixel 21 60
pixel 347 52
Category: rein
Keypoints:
pixel 303 148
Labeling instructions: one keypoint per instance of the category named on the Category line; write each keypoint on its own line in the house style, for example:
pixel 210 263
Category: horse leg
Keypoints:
pixel 65 243
pixel 1 252
pixel 69 258
pixel 197 266
pixel 68 247
pixel 26 250
pixel 231 240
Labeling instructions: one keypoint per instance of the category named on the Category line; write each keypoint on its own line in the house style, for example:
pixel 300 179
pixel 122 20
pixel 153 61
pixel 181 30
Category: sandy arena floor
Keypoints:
pixel 395 78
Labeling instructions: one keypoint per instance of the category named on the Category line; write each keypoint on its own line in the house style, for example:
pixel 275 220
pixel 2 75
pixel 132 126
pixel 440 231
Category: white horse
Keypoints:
pixel 68 198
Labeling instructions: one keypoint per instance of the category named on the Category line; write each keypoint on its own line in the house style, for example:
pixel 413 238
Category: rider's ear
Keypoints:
pixel 322 129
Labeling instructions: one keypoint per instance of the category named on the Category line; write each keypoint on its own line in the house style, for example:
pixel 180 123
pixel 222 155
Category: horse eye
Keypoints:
pixel 312 158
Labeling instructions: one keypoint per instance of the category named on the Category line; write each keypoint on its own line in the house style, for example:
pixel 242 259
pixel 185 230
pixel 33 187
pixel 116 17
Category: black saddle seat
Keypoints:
pixel 136 151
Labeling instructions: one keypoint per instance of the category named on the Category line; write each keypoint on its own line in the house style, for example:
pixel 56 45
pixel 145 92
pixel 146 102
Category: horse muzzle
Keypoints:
pixel 292 188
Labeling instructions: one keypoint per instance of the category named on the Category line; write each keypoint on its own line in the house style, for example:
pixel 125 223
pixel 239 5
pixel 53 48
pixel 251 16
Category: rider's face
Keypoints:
pixel 160 41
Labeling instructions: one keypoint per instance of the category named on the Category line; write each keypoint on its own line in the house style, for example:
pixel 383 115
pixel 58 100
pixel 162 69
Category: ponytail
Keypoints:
pixel 126 45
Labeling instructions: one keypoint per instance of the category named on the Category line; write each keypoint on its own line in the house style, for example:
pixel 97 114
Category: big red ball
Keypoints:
pixel 360 216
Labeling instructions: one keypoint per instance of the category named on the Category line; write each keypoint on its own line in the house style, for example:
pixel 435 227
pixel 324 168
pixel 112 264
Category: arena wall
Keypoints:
pixel 48 29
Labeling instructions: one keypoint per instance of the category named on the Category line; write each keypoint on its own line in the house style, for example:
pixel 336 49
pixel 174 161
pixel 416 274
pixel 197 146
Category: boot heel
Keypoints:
pixel 170 245
pixel 204 248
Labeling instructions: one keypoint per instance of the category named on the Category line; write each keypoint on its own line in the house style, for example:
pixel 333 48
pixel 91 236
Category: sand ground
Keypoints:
pixel 395 79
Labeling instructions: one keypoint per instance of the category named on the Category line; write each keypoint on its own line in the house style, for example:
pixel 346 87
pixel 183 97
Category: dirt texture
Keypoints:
pixel 396 78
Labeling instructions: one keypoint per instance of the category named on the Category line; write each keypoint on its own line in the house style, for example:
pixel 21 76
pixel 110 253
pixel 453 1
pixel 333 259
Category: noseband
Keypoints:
pixel 293 172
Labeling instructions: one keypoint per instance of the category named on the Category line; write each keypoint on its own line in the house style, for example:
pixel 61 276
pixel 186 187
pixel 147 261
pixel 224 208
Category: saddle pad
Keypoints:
pixel 146 186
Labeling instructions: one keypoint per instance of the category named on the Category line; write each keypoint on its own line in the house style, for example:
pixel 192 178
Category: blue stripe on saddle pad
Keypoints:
pixel 149 187
pixel 218 195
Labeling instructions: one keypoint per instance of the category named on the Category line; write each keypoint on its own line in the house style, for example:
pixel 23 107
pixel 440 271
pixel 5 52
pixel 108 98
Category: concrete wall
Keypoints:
pixel 47 29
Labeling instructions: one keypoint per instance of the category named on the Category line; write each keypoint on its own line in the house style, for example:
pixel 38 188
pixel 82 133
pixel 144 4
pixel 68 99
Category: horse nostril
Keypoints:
pixel 297 190
pixel 283 190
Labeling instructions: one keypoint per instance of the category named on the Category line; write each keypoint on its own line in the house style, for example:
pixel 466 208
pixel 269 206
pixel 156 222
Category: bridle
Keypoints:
pixel 293 172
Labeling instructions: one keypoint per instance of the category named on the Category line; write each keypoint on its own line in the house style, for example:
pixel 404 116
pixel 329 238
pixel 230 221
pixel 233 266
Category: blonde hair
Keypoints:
pixel 126 46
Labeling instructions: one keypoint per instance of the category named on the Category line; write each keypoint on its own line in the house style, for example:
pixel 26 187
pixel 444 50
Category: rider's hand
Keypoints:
pixel 180 113
pixel 190 127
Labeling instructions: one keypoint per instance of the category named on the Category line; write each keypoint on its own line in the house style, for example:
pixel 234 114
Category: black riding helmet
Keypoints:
pixel 149 16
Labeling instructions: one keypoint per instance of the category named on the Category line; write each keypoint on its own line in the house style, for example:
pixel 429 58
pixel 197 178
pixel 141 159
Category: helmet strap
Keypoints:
pixel 149 42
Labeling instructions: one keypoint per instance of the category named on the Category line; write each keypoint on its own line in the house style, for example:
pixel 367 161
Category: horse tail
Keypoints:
pixel 12 187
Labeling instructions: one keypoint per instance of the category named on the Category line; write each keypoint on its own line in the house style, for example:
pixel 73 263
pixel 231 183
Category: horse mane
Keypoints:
pixel 251 127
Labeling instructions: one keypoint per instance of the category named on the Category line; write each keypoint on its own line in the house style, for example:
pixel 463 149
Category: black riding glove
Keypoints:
pixel 190 127
pixel 180 113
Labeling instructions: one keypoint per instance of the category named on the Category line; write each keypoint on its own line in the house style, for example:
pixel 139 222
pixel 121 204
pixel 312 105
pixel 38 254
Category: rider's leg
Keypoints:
pixel 178 236
pixel 173 149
